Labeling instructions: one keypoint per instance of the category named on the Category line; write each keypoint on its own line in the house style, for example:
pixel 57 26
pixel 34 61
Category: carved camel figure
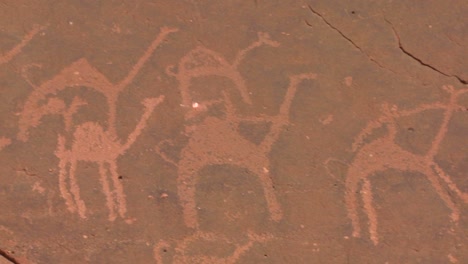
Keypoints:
pixel 94 144
pixel 217 141
pixel 383 154
pixel 204 62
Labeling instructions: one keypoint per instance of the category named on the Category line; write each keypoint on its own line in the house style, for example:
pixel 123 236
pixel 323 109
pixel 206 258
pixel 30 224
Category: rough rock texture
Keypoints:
pixel 233 131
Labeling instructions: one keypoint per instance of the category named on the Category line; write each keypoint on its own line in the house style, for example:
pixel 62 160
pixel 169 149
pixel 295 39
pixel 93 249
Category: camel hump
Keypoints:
pixel 202 58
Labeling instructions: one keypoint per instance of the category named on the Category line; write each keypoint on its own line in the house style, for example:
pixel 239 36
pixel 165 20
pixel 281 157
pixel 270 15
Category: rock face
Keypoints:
pixel 233 132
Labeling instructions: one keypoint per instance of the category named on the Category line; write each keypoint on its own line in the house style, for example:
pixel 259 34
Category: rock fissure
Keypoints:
pixel 347 39
pixel 420 61
pixel 8 257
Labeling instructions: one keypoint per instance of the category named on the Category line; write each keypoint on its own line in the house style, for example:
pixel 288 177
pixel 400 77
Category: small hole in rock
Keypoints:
pixel 164 250
pixel 120 177
pixel 410 129
pixel 353 12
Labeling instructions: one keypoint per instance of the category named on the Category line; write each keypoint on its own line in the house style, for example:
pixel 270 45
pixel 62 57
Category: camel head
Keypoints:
pixel 33 113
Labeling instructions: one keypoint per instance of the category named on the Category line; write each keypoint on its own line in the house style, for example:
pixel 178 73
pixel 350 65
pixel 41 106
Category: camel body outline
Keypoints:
pixel 383 153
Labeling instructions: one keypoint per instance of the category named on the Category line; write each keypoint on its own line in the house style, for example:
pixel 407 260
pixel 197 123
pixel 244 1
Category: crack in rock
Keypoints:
pixel 412 56
pixel 8 257
pixel 347 38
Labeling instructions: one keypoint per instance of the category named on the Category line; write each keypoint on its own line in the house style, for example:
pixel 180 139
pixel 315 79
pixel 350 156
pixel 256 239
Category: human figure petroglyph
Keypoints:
pixel 91 142
pixel 183 254
pixel 217 141
pixel 384 153
pixel 9 55
pixel 204 62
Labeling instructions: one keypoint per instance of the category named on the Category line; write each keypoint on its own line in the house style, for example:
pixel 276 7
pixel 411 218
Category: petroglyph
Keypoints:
pixel 204 62
pixel 91 142
pixel 9 55
pixel 383 153
pixel 217 141
pixel 183 254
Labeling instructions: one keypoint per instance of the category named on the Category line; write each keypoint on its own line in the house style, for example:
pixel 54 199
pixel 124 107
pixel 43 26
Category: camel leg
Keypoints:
pixel 105 187
pixel 269 192
pixel 119 193
pixel 371 214
pixel 449 182
pixel 432 177
pixel 351 203
pixel 75 190
pixel 63 164
pixel 186 184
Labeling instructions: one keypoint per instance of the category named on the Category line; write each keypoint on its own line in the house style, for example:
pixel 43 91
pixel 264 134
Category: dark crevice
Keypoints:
pixel 405 51
pixel 8 256
pixel 347 38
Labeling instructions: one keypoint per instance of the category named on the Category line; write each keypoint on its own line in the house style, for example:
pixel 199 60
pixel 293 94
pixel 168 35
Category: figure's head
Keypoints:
pixel 33 113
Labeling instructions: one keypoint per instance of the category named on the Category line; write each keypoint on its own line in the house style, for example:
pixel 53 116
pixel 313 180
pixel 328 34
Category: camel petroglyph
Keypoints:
pixel 91 142
pixel 383 153
pixel 217 141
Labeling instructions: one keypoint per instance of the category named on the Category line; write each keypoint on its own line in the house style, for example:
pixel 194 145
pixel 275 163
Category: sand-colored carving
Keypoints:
pixel 384 153
pixel 217 141
pixel 4 142
pixel 91 142
pixel 204 62
pixel 183 254
pixel 9 55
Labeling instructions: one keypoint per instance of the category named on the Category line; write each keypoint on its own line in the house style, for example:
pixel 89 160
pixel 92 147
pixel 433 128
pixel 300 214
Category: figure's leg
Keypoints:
pixel 352 185
pixel 186 185
pixel 450 184
pixel 75 190
pixel 432 177
pixel 269 191
pixel 367 198
pixel 105 187
pixel 119 193
pixel 63 164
